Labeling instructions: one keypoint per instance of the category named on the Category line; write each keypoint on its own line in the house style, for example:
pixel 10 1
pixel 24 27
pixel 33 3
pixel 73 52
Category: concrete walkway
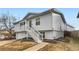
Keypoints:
pixel 6 42
pixel 37 47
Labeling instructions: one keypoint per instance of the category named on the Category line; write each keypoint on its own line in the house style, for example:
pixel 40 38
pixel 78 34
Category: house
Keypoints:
pixel 69 28
pixel 4 34
pixel 49 25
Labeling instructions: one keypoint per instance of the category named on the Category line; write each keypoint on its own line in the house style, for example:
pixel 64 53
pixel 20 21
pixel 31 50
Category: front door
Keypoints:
pixel 30 23
pixel 43 34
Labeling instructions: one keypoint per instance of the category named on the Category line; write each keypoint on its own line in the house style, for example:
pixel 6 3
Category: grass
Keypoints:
pixel 69 44
pixel 17 45
pixel 55 47
pixel 76 40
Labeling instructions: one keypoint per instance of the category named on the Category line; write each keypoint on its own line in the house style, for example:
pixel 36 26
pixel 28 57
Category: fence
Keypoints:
pixel 73 34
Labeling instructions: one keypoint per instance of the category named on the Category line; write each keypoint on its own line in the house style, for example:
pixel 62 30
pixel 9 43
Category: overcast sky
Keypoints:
pixel 69 13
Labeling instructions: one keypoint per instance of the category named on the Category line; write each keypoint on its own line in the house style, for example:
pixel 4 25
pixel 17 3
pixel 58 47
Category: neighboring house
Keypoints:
pixel 4 34
pixel 49 25
pixel 70 28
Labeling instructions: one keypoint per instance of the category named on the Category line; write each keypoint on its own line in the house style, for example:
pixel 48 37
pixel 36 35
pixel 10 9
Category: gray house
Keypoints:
pixel 49 25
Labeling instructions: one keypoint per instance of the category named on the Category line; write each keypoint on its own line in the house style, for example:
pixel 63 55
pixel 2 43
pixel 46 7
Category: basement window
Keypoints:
pixel 38 21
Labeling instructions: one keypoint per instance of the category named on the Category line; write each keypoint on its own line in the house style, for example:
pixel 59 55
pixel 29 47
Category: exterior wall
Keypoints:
pixel 48 35
pixel 26 24
pixel 22 28
pixel 2 36
pixel 21 35
pixel 51 22
pixel 53 35
pixel 58 34
pixel 19 28
pixel 57 22
pixel 45 22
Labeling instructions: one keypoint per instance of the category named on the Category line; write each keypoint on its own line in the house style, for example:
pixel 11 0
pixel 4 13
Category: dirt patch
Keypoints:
pixel 17 45
pixel 56 47
pixel 66 45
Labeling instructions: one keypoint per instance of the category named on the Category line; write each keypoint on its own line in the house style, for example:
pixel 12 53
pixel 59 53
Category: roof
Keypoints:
pixel 70 25
pixel 43 13
pixel 30 13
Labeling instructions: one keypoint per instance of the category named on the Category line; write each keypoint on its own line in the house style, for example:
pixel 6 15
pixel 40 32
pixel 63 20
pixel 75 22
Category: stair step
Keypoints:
pixel 37 39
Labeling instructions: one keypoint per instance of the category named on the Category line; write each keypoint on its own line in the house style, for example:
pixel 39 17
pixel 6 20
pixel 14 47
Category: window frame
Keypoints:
pixel 22 23
pixel 37 21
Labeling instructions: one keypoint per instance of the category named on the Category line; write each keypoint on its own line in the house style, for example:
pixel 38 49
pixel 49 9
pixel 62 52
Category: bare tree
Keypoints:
pixel 7 21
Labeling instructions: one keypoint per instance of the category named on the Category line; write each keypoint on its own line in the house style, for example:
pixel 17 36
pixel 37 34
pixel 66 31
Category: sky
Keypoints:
pixel 69 13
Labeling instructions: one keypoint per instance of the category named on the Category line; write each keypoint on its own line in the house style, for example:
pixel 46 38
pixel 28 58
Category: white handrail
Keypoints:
pixel 36 32
pixel 40 35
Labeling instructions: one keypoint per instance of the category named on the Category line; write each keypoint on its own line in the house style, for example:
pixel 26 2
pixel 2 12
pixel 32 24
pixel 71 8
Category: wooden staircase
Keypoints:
pixel 35 34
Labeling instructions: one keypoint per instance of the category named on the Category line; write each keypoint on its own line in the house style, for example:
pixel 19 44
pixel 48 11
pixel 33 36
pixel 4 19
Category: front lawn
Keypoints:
pixel 17 45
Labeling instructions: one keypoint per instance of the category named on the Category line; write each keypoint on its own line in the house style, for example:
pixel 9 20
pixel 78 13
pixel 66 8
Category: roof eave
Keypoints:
pixel 42 13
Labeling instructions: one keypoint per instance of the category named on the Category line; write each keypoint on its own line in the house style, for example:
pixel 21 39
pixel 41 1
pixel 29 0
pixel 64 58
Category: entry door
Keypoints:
pixel 43 34
pixel 30 23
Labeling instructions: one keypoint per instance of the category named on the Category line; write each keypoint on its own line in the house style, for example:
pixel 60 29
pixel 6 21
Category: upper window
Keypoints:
pixel 22 23
pixel 38 21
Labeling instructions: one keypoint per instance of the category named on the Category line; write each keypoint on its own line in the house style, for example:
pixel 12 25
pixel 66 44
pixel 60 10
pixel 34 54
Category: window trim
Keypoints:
pixel 37 21
pixel 22 23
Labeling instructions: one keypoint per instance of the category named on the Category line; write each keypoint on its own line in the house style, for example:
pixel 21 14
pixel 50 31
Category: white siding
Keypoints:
pixel 51 22
pixel 45 22
pixel 22 28
pixel 26 24
pixel 58 34
pixel 57 23
pixel 53 34
pixel 19 28
pixel 49 35
pixel 21 35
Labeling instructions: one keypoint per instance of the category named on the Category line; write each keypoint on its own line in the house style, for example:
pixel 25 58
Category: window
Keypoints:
pixel 38 21
pixel 22 23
